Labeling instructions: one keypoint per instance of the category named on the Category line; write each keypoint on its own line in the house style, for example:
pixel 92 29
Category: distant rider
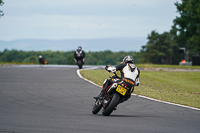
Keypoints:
pixel 42 60
pixel 79 54
pixel 129 75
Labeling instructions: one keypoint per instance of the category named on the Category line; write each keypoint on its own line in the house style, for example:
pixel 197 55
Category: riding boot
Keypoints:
pixel 102 93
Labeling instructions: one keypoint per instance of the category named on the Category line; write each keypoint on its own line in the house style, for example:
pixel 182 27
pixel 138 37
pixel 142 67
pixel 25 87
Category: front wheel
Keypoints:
pixel 113 103
pixel 96 108
pixel 79 63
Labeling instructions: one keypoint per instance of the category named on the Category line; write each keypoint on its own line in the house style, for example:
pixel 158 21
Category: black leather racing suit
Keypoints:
pixel 79 54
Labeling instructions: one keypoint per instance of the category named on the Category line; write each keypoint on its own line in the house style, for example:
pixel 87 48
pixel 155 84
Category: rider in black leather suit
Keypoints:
pixel 79 54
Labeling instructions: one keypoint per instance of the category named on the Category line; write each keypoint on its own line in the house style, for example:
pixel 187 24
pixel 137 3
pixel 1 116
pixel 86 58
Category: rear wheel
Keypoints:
pixel 113 103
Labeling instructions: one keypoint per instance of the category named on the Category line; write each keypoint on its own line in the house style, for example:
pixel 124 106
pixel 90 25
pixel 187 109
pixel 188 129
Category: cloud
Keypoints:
pixel 88 7
pixel 65 19
pixel 63 26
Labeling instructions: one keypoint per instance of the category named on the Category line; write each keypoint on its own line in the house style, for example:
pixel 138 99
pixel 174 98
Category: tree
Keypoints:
pixel 160 49
pixel 151 51
pixel 188 24
pixel 1 4
pixel 175 56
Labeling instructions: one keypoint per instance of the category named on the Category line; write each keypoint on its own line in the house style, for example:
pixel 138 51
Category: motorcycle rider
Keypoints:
pixel 129 75
pixel 41 60
pixel 79 54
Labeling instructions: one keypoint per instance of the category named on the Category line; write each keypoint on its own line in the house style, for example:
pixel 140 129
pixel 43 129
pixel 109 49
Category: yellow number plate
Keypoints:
pixel 121 90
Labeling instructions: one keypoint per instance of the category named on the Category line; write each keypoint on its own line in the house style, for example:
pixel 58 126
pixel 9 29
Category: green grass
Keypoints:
pixel 15 63
pixel 166 66
pixel 171 86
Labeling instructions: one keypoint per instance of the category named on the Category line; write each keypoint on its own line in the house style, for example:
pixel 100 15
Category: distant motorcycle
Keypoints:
pixel 79 57
pixel 114 93
pixel 42 60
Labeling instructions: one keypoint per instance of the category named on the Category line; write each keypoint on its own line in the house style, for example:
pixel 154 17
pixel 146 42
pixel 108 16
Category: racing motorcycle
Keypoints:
pixel 43 61
pixel 114 93
pixel 79 58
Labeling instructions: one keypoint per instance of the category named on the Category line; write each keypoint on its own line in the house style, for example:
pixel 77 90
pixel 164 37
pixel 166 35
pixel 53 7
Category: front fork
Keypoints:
pixel 97 102
pixel 104 101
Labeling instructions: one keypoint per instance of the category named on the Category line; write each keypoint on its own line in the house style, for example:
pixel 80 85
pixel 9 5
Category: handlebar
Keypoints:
pixel 116 76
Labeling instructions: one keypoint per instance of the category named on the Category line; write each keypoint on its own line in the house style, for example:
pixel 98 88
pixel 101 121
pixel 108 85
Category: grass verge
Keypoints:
pixel 16 63
pixel 171 86
pixel 149 66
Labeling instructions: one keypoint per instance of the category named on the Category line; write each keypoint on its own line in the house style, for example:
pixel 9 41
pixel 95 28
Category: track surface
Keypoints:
pixel 56 100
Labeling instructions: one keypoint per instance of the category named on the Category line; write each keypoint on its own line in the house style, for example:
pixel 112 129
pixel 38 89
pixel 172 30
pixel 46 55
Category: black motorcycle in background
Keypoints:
pixel 42 60
pixel 79 57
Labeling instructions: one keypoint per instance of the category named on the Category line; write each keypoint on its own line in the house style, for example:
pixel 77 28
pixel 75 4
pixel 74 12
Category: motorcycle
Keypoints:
pixel 43 61
pixel 79 58
pixel 114 93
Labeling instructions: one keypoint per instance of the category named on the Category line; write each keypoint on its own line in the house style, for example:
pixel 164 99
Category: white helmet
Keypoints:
pixel 128 59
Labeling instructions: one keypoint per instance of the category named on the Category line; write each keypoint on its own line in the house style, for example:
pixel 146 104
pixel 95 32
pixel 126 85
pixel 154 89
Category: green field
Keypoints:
pixel 16 63
pixel 171 86
pixel 149 66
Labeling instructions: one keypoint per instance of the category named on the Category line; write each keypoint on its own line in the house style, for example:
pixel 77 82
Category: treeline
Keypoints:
pixel 58 57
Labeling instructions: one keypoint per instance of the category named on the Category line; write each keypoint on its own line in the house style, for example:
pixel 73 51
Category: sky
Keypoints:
pixel 85 19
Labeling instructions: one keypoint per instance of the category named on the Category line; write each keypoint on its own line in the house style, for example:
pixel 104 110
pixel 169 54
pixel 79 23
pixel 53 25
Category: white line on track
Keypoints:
pixel 78 73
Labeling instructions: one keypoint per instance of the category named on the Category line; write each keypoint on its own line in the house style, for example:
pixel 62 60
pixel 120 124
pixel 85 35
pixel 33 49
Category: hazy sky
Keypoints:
pixel 84 19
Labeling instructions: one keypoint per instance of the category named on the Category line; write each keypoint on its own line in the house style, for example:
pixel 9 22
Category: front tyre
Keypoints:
pixel 113 103
pixel 96 108
pixel 79 63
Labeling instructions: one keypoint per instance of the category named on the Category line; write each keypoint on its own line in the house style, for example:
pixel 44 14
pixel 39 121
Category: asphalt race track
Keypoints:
pixel 55 100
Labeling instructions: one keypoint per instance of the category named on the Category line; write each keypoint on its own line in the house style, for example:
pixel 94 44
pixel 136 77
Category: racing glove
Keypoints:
pixel 137 82
pixel 110 69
